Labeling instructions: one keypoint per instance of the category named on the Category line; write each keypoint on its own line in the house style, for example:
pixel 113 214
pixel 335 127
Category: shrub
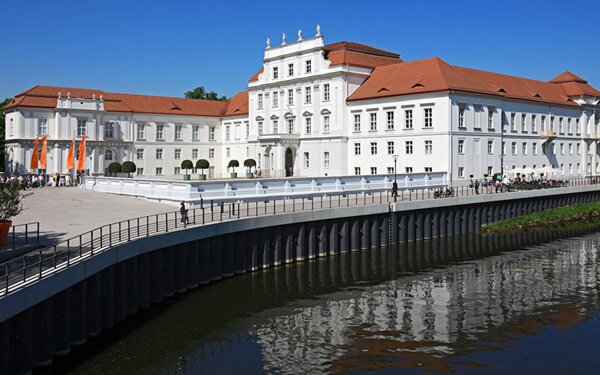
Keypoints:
pixel 202 164
pixel 115 167
pixel 187 164
pixel 10 201
pixel 233 164
pixel 249 163
pixel 128 167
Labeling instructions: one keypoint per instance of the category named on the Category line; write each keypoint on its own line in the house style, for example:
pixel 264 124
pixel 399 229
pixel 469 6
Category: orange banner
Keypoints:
pixel 81 157
pixel 34 155
pixel 71 156
pixel 43 154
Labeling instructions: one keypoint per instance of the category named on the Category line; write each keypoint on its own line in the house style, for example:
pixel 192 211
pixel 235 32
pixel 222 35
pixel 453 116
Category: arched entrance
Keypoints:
pixel 289 162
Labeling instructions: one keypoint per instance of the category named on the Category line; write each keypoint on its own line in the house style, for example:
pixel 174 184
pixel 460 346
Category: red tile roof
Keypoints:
pixel 567 77
pixel 238 105
pixel 255 76
pixel 434 74
pixel 361 55
pixel 46 97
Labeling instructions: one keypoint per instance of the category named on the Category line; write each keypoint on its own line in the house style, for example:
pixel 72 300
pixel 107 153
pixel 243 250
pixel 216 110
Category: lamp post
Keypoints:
pixel 395 185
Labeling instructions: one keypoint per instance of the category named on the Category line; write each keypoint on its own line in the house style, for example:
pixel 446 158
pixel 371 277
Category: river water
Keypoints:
pixel 518 303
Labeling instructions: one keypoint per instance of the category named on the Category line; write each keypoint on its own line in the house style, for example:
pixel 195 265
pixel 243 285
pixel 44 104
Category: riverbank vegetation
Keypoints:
pixel 586 212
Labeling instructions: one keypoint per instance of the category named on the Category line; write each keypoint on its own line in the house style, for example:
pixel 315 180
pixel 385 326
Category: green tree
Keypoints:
pixel 3 131
pixel 201 93
pixel 128 167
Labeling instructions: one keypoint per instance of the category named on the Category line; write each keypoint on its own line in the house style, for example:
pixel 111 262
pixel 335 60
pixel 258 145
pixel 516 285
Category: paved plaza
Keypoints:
pixel 68 211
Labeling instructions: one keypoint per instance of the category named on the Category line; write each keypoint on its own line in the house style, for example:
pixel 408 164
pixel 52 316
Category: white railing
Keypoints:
pixel 243 190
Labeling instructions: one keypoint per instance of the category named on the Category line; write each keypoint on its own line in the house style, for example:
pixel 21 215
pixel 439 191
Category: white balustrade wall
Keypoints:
pixel 250 190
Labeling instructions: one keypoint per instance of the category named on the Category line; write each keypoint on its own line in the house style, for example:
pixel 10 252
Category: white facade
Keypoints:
pixel 299 121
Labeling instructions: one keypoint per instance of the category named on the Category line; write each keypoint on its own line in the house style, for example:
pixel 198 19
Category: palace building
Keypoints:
pixel 317 109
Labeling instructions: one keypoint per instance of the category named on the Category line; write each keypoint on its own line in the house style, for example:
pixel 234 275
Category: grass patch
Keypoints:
pixel 547 218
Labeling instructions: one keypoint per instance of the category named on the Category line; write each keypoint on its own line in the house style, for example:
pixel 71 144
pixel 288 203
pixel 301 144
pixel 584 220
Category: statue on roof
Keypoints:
pixel 318 30
pixel 283 39
pixel 268 43
pixel 299 35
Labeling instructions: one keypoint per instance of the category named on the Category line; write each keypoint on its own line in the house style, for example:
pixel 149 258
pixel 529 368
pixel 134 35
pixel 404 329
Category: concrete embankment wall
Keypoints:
pixel 62 310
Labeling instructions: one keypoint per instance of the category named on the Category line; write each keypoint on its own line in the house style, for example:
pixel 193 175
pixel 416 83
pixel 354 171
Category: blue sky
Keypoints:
pixel 168 47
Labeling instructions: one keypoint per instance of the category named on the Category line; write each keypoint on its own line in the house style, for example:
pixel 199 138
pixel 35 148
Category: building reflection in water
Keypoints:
pixel 418 305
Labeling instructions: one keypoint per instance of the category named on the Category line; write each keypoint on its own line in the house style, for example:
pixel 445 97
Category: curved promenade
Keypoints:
pixel 79 291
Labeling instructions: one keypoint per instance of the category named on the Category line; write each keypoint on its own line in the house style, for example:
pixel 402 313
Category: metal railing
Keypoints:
pixel 20 271
pixel 30 235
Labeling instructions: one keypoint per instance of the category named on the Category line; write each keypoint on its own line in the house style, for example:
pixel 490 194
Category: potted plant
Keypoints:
pixel 114 168
pixel 232 164
pixel 202 164
pixel 128 167
pixel 249 163
pixel 10 205
pixel 186 164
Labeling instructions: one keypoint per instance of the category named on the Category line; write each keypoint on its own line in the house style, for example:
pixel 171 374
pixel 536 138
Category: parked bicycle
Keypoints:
pixel 443 193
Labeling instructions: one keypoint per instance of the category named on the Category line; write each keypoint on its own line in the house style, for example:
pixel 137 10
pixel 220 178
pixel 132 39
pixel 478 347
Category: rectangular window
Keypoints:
pixel 373 170
pixel 513 148
pixel 228 152
pixel 390 120
pixel 562 148
pixel 308 66
pixel 275 99
pixel 178 132
pixel 307 95
pixel 211 153
pixel 503 148
pixel 357 171
pixel 275 72
pixel 373 122
pixel 260 127
pixel 326 92
pixel 139 171
pixel 325 124
pixel 357 122
pixel 326 160
pixel 524 148
pixel 461 117
pixel 490 148
pixel 570 149
pixel 533 123
pixel 428 147
pixel 428 169
pixel 260 101
pixel 177 170
pixel 490 170
pixel 409 147
pixel 291 97
pixel 141 131
pixel 357 149
pixel 408 169
pixel 228 132
pixel 81 126
pixel 570 126
pixel 275 126
pixel 373 148
pixel 543 122
pixel 577 131
pixel 160 132
pixel 513 122
pixel 290 70
pixel 579 149
pixel 461 146
pixel 42 126
pixel 390 170
pixel 491 111
pixel 177 153
pixel 308 125
pixel 560 125
pixel 194 153
pixel 523 123
pixel 109 129
pixel 390 145
pixel 195 132
pixel 428 117
pixel 139 153
pixel 408 119
pixel 461 172
pixel 211 133
pixel 159 154
pixel 534 149
pixel 290 126
pixel 159 171
pixel 306 160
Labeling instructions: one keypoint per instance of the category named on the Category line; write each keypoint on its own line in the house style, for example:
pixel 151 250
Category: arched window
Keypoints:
pixel 108 155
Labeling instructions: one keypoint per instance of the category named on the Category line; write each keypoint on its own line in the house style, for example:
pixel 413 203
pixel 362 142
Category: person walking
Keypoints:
pixel 184 214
